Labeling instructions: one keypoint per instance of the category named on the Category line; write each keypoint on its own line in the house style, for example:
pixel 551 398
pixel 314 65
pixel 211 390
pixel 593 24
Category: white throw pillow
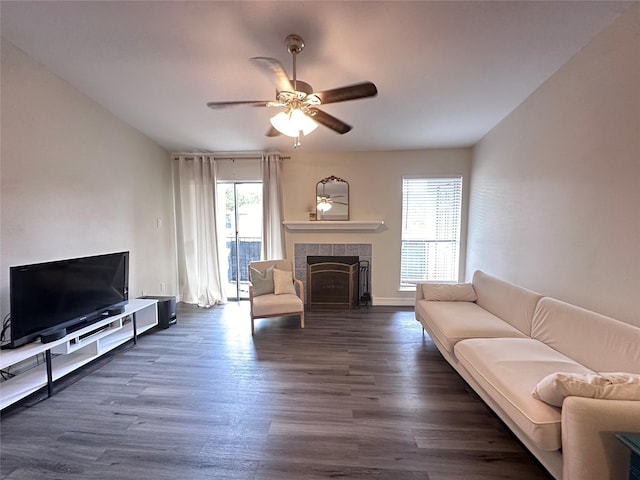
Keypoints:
pixel 449 292
pixel 553 388
pixel 283 282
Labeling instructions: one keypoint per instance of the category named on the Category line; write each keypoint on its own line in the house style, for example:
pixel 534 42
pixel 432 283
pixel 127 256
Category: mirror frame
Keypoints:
pixel 341 187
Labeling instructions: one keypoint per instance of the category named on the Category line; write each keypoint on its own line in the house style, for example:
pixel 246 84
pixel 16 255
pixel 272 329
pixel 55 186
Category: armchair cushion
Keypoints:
pixel 262 282
pixel 283 282
pixel 271 305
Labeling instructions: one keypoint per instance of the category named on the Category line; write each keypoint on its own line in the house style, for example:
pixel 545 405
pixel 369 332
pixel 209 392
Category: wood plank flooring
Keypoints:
pixel 358 395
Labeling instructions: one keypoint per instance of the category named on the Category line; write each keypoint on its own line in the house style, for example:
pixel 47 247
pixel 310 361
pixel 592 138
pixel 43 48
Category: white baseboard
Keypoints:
pixel 394 301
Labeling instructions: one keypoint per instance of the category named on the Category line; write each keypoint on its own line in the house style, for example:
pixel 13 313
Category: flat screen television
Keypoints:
pixel 48 299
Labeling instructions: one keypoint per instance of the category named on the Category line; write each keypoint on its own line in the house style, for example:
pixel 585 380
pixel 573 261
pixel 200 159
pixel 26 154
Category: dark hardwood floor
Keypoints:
pixel 359 395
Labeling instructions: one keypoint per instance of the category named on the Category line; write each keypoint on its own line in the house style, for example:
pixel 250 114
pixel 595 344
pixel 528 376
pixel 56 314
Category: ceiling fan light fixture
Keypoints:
pixel 323 205
pixel 292 122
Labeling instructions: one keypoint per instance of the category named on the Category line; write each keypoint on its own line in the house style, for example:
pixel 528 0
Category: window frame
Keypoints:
pixel 408 284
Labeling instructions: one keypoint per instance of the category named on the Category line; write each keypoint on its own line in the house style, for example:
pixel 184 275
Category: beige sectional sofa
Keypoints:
pixel 504 339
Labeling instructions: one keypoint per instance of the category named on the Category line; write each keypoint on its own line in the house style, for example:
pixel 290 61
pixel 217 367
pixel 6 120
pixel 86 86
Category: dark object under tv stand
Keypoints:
pixel 166 310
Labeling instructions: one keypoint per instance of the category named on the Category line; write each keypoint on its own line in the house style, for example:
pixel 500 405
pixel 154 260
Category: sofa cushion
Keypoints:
pixel 553 388
pixel 449 292
pixel 510 302
pixel 598 342
pixel 451 322
pixel 508 369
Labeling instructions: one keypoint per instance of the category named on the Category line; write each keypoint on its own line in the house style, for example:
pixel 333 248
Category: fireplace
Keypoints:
pixel 361 251
pixel 332 282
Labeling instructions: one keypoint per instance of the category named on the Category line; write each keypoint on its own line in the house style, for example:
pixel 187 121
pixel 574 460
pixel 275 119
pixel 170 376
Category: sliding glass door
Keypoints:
pixel 240 205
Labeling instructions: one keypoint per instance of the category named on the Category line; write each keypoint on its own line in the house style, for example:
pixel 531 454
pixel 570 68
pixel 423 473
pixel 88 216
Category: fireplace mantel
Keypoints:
pixel 352 225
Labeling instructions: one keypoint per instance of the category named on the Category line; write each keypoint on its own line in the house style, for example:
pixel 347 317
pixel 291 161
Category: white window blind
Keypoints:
pixel 431 210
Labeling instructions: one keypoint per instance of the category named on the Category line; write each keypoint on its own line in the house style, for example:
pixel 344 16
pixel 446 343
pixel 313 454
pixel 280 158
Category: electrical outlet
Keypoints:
pixel 162 286
pixel 158 222
pixel 144 292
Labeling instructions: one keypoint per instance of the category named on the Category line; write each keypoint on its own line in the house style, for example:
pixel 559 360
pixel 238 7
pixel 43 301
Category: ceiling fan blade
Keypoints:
pixel 352 92
pixel 328 121
pixel 276 72
pixel 249 103
pixel 272 132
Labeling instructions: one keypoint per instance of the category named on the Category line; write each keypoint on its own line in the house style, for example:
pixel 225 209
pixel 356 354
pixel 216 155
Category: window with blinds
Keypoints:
pixel 431 211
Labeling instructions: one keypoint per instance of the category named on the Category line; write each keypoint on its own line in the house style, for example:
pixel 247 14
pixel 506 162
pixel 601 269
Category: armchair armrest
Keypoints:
pixel 300 286
pixel 590 449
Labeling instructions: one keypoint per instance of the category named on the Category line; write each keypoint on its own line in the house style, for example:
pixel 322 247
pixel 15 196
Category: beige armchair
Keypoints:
pixel 274 291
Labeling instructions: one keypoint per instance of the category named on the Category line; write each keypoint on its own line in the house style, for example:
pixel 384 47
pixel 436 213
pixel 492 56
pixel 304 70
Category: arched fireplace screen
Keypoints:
pixel 333 282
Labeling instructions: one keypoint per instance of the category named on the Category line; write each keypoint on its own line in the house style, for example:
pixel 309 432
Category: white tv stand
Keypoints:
pixel 74 350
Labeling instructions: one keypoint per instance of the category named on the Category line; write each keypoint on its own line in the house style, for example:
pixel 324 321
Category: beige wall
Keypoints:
pixel 375 180
pixel 555 202
pixel 77 181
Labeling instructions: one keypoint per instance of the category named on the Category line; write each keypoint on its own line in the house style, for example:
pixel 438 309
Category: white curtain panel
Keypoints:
pixel 200 281
pixel 272 216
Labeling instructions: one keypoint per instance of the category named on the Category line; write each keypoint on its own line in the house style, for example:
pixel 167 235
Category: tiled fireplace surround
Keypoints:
pixel 302 250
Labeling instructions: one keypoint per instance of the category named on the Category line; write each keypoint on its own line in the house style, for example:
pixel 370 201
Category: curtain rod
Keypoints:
pixel 223 158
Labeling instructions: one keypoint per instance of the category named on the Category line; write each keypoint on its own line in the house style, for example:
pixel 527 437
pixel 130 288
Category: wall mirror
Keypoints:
pixel 332 199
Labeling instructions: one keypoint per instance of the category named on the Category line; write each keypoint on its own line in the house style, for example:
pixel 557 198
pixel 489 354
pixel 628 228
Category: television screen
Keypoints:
pixel 51 296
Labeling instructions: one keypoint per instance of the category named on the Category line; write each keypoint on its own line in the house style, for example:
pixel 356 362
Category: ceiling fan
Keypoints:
pixel 301 115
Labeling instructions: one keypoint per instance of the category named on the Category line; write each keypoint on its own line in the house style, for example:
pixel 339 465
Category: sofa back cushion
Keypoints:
pixel 593 340
pixel 513 304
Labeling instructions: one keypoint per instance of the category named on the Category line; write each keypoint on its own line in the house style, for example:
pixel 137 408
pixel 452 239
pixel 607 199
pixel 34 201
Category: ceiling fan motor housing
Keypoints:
pixel 294 43
pixel 302 87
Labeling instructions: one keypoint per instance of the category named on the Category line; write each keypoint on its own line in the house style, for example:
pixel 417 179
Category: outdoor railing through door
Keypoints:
pixel 248 250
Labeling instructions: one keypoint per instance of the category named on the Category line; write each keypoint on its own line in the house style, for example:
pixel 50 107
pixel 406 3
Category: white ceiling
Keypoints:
pixel 446 72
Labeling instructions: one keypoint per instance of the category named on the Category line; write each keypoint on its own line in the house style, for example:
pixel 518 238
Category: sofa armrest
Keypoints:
pixel 419 296
pixel 445 292
pixel 590 449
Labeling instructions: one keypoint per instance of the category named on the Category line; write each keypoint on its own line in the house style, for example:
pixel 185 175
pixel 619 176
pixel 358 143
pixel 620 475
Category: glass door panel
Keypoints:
pixel 241 241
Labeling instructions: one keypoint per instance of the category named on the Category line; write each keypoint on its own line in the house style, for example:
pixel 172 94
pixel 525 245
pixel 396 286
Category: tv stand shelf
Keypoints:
pixel 71 352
